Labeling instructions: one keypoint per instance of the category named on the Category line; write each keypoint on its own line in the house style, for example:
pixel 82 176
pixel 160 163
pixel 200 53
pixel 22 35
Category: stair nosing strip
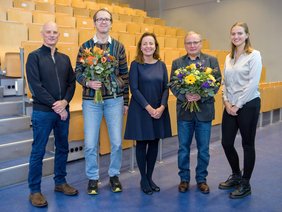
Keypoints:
pixel 22 165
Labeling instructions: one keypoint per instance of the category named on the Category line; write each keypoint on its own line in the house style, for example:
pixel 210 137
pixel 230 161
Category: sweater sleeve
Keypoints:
pixel 34 81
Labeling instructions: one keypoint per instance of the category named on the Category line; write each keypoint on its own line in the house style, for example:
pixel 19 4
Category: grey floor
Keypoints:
pixel 266 184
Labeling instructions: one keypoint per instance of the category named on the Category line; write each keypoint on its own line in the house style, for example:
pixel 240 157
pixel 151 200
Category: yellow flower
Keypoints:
pixel 190 79
pixel 176 72
pixel 193 66
pixel 212 77
pixel 208 70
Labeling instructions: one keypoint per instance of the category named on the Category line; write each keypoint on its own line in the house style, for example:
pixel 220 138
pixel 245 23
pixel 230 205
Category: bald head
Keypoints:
pixel 50 34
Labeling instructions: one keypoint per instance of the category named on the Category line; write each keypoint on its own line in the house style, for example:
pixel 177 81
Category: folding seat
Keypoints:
pixel 205 43
pixel 137 19
pixel 78 4
pixel 118 26
pixel 180 32
pixel 133 28
pixel 159 30
pixel 146 28
pixel 65 20
pixel 3 15
pixel 159 21
pixel 161 41
pixel 170 31
pixel 34 32
pixel 85 34
pixel 63 2
pixel 127 39
pixel 70 49
pixel 64 9
pixel 125 17
pixel 19 15
pixel 42 17
pixel 84 22
pixel 81 12
pixel 45 6
pixel 92 5
pixel 68 35
pixel 25 4
pixel 6 4
pixel 12 64
pixel 149 20
pixel 131 54
pixel 118 9
pixel 180 41
pixel 12 34
pixel 170 55
pixel 170 42
pixel 141 13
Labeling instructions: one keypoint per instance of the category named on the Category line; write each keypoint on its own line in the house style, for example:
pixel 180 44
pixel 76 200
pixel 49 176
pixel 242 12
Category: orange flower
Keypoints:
pixel 82 60
pixel 98 50
pixel 90 60
pixel 87 51
pixel 103 59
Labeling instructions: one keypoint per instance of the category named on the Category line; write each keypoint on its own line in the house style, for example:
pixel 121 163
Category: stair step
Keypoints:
pixel 22 148
pixel 16 136
pixel 11 108
pixel 14 124
pixel 16 171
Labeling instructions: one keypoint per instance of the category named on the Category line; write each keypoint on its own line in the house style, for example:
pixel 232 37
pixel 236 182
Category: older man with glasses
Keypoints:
pixel 190 123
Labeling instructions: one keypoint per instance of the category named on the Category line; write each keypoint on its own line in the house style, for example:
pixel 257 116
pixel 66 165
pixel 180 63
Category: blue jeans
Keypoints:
pixel 202 131
pixel 42 124
pixel 112 109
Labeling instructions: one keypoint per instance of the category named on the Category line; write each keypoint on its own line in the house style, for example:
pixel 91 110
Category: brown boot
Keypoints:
pixel 38 200
pixel 66 189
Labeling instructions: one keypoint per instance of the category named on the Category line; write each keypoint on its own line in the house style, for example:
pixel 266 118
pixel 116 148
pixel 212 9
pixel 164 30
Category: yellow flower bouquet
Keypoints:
pixel 195 79
pixel 99 65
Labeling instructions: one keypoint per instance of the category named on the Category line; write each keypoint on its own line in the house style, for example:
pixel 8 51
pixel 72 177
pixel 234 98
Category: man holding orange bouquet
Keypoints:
pixel 105 93
pixel 190 122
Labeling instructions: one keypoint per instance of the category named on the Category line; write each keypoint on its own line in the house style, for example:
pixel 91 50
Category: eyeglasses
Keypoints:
pixel 195 43
pixel 100 20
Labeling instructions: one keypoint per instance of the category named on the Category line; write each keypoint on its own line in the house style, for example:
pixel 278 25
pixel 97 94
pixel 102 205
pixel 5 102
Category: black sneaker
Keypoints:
pixel 115 184
pixel 243 190
pixel 232 181
pixel 92 187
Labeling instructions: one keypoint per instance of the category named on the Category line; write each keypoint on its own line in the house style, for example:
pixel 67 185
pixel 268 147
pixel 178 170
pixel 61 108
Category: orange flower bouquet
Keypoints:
pixel 99 65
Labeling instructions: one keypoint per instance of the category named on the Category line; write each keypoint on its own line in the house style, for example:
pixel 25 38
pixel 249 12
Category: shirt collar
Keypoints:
pixel 197 58
pixel 95 39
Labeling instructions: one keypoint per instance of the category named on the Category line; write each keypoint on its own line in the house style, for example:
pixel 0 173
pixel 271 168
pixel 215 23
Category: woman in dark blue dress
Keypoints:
pixel 148 117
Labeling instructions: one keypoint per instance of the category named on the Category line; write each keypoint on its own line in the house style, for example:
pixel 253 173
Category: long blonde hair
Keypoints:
pixel 248 47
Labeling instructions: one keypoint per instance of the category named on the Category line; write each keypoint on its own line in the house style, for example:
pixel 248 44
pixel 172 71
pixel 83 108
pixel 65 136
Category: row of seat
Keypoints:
pixel 48 5
pixel 86 9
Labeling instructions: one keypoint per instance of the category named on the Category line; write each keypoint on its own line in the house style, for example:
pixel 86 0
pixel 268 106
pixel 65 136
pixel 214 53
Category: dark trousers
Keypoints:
pixel 246 122
pixel 43 123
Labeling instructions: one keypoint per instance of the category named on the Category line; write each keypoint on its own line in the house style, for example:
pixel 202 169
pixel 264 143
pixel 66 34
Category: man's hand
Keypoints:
pixel 94 84
pixel 190 97
pixel 59 106
pixel 64 115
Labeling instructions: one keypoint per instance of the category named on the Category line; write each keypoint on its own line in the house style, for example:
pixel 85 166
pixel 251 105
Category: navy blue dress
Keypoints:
pixel 148 85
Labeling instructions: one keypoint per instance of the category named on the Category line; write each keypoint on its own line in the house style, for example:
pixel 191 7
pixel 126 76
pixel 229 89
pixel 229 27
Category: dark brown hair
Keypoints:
pixel 105 10
pixel 139 54
pixel 248 47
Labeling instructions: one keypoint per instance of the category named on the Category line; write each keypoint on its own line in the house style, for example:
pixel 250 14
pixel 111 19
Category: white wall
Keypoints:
pixel 213 20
